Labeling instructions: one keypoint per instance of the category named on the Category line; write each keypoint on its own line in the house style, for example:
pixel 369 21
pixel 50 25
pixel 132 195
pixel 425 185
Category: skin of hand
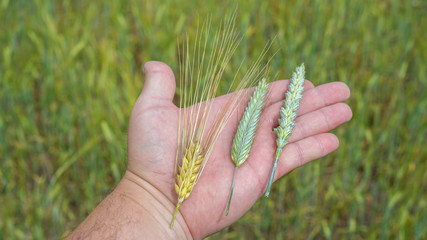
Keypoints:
pixel 145 196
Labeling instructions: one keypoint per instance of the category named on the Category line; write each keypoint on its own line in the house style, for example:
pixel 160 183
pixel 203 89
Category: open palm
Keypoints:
pixel 152 144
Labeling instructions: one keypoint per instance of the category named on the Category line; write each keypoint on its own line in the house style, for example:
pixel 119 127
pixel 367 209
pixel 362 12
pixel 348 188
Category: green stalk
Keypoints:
pixel 231 192
pixel 270 182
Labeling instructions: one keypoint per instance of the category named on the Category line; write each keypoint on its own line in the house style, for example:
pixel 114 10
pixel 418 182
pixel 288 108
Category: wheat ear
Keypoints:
pixel 245 134
pixel 288 113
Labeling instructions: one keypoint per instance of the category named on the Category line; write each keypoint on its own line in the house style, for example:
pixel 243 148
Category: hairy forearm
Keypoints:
pixel 129 212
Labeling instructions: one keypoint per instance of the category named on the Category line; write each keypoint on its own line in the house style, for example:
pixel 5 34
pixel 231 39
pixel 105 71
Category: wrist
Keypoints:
pixel 158 208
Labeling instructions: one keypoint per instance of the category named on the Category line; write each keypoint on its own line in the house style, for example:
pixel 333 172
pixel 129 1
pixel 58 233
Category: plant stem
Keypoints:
pixel 231 192
pixel 174 215
pixel 270 182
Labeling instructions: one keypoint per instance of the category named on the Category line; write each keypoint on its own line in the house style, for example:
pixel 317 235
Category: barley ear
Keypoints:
pixel 244 137
pixel 287 117
pixel 188 172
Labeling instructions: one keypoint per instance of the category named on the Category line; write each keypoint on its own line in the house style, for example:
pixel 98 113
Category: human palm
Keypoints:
pixel 152 143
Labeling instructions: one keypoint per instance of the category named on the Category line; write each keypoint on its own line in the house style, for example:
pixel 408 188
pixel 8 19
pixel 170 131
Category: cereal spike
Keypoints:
pixel 287 117
pixel 246 131
pixel 187 174
pixel 244 137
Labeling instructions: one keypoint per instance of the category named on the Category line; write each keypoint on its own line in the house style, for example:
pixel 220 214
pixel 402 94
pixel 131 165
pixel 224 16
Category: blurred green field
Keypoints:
pixel 70 71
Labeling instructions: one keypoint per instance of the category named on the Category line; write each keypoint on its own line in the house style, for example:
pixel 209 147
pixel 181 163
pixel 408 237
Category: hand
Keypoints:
pixel 152 147
pixel 143 203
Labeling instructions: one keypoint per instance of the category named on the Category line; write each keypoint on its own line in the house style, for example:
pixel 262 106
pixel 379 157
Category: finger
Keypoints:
pixel 313 123
pixel 277 90
pixel 159 81
pixel 276 93
pixel 304 151
pixel 320 121
pixel 312 99
pixel 324 95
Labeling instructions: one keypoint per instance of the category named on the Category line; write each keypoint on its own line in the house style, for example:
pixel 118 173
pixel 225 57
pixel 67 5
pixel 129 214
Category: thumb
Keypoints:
pixel 159 81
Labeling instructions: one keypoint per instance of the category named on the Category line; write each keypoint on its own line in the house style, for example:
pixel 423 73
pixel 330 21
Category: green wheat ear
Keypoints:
pixel 288 113
pixel 244 137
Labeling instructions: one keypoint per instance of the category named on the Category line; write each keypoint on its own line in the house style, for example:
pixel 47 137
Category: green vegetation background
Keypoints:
pixel 70 72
